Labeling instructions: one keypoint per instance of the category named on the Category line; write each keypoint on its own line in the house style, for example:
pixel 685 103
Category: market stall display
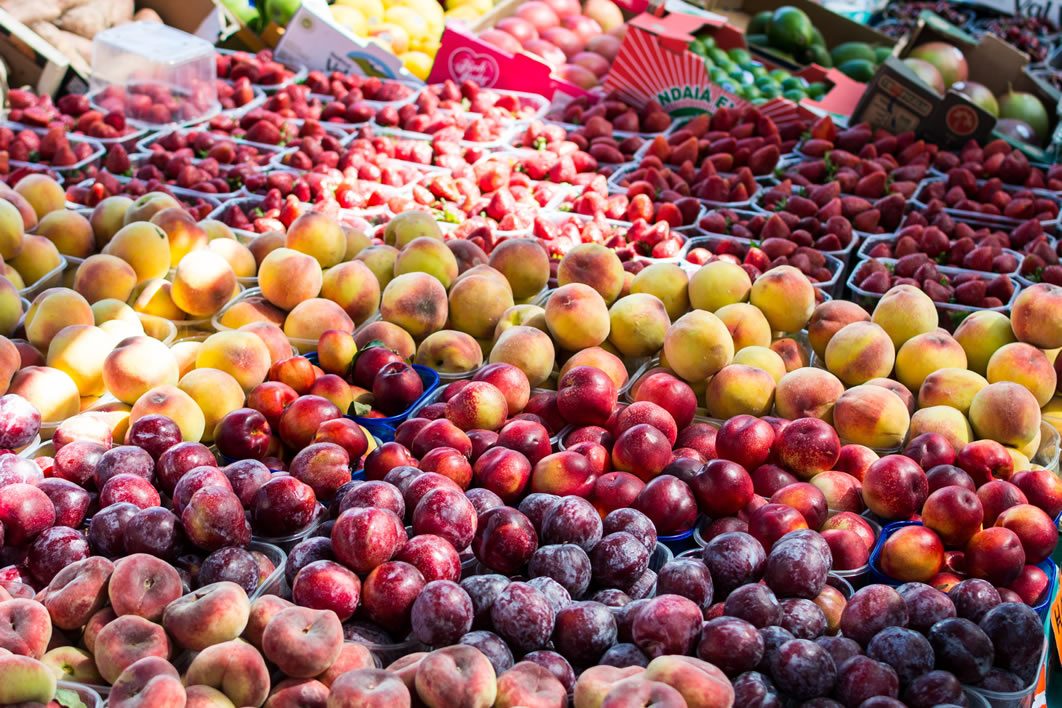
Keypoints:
pixel 336 390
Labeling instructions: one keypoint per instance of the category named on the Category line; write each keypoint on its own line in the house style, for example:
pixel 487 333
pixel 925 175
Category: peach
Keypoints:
pixel 11 275
pixel 698 345
pixel 1026 365
pixel 871 416
pixel 297 693
pixel 521 315
pixel 12 230
pixel 217 230
pixel 51 391
pixel 150 681
pixel 335 352
pixel 925 353
pixel 528 349
pixel 136 365
pixel 638 324
pixel 1037 316
pixel 235 668
pixel 72 664
pixel 261 612
pixel 392 336
pixel 354 288
pixel 143 585
pixel 599 359
pixel 25 627
pixel 211 615
pixel 203 283
pixel 25 209
pixel 264 244
pixel 43 193
pixel 10 307
pixel 38 258
pixel 148 205
pixel 595 265
pixel 10 361
pixel 748 327
pixel 1007 413
pixel 206 697
pixel 528 684
pixel 288 277
pixel 357 240
pixel 668 282
pixel 762 358
pixel 184 234
pixel 943 420
pixel 807 392
pixel 700 683
pixel 449 351
pixel 898 388
pixel 155 297
pixel 242 355
pixel 101 277
pixel 577 317
pixel 144 246
pixel 216 393
pixel 477 302
pixel 429 256
pixel 859 352
pixel 351 657
pixel 843 491
pixel 126 640
pixel 369 688
pixel 524 263
pixel 238 256
pixel 317 235
pixel 785 296
pixel 981 334
pixel 53 310
pixel 250 309
pixel 792 353
pixel 738 389
pixel 829 318
pixel 303 642
pixel 903 312
pixel 25 681
pixel 416 302
pixel 108 217
pixel 912 554
pixel 456 676
pixel 718 284
pixel 595 682
pixel 311 318
pixel 952 387
pixel 409 225
pixel 69 231
pixel 381 261
pixel 80 351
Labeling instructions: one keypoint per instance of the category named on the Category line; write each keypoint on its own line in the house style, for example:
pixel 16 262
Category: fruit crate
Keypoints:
pixel 738 247
pixel 73 171
pixel 951 313
pixel 868 244
pixel 618 228
pixel 843 254
pixel 617 184
pixel 920 200
pixel 267 152
pixel 878 575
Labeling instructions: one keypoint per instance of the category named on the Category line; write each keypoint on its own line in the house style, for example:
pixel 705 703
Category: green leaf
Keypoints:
pixel 68 699
pixel 361 409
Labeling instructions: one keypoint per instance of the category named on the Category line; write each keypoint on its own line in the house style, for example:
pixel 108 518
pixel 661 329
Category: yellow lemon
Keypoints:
pixel 481 6
pixel 417 63
pixel 351 19
pixel 371 10
pixel 430 10
pixel 407 18
pixel 464 13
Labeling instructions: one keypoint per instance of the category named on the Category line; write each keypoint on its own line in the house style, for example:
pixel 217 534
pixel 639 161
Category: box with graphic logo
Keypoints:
pixel 665 59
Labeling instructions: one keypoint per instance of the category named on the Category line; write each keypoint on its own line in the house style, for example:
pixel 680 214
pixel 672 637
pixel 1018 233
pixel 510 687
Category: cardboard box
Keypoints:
pixel 897 100
pixel 33 62
pixel 654 64
pixel 314 41
pixel 835 28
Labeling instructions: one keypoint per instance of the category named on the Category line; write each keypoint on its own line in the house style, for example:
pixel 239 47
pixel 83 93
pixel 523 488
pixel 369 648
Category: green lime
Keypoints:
pixel 817 89
pixel 794 95
pixel 790 29
pixel 881 54
pixel 779 74
pixel 815 54
pixel 718 55
pixel 770 91
pixel 794 82
pixel 847 51
pixel 741 56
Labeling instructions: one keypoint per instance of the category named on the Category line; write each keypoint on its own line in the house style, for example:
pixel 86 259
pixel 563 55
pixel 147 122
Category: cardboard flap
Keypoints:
pixel 844 95
pixel 462 56
pixel 34 62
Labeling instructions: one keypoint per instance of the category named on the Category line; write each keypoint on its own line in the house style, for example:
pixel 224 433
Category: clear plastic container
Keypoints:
pixel 274 584
pixel 870 243
pixel 66 692
pixel 157 74
pixel 1015 699
pixel 835 265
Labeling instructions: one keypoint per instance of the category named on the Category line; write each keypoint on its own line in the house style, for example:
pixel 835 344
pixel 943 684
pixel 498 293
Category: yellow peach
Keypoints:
pixel 216 393
pixel 176 405
pixel 103 277
pixel 242 355
pixel 144 246
pixel 79 351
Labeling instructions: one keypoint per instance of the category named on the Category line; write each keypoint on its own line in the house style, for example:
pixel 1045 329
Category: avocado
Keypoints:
pixel 881 54
pixel 758 23
pixel 858 69
pixel 815 54
pixel 817 40
pixel 852 50
pixel 790 29
pixel 757 40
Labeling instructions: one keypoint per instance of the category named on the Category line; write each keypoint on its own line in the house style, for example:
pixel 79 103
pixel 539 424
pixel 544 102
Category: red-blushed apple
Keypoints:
pixel 855 459
pixel 650 414
pixel 396 387
pixel 510 380
pixel 805 498
pixel 563 473
pixel 985 460
pixel 641 450
pixel 996 497
pixel 369 362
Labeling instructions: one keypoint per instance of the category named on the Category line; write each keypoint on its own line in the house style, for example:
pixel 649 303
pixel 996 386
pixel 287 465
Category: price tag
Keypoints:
pixel 1056 623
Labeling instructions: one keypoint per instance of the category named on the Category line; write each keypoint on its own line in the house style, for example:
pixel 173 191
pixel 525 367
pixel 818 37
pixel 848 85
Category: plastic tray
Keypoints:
pixel 90 698
pixel 286 543
pixel 1000 222
pixel 1015 699
pixel 879 576
pixel 50 279
pixel 128 140
pixel 868 244
pixel 98 151
pixel 299 72
pixel 845 254
pixel 272 585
